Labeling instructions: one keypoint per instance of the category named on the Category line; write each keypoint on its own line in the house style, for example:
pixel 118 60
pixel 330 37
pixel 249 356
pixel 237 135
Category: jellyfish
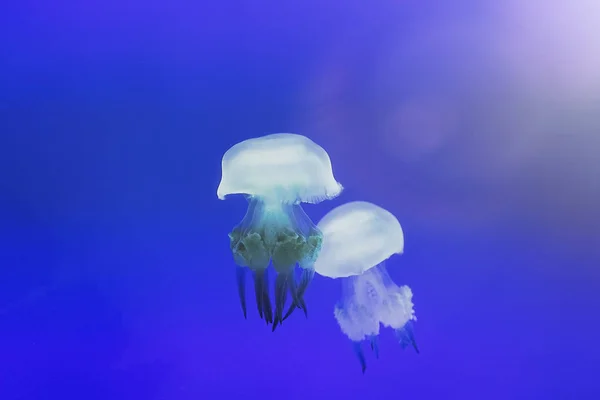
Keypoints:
pixel 276 173
pixel 358 237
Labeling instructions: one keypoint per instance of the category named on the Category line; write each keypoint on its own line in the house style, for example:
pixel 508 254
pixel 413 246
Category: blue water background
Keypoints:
pixel 116 279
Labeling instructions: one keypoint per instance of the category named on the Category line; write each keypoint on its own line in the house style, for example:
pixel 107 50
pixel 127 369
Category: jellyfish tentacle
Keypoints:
pixel 299 302
pixel 282 234
pixel 361 356
pixel 289 312
pixel 293 287
pixel 241 284
pixel 266 300
pixel 271 232
pixel 258 290
pixel 295 291
pixel 281 289
pixel 307 276
pixel 406 336
pixel 374 345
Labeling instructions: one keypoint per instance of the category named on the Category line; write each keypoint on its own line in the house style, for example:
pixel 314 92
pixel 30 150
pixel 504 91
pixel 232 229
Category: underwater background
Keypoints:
pixel 476 123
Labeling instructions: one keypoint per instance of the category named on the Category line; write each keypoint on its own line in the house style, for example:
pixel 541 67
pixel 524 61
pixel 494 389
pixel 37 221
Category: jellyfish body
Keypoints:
pixel 358 238
pixel 359 235
pixel 276 173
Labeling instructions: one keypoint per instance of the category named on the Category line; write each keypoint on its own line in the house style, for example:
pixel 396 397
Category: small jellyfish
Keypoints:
pixel 358 238
pixel 276 173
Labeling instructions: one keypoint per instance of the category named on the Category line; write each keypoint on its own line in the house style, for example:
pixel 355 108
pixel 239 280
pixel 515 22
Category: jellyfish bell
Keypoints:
pixel 282 167
pixel 357 236
pixel 276 173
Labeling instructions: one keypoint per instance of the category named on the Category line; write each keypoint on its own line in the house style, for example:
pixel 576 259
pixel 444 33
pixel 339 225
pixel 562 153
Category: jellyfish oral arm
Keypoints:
pixel 281 234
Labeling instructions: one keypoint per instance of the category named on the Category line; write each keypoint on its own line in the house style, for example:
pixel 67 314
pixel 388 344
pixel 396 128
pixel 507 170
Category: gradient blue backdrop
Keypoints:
pixel 116 280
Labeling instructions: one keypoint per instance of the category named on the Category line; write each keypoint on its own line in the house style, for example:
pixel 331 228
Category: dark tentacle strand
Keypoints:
pixel 361 356
pixel 307 276
pixel 375 345
pixel 266 300
pixel 295 291
pixel 406 336
pixel 241 284
pixel 281 289
pixel 290 310
pixel 259 282
pixel 293 286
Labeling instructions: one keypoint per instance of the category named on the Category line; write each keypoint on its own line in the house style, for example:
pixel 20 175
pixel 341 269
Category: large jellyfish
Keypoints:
pixel 358 238
pixel 276 173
